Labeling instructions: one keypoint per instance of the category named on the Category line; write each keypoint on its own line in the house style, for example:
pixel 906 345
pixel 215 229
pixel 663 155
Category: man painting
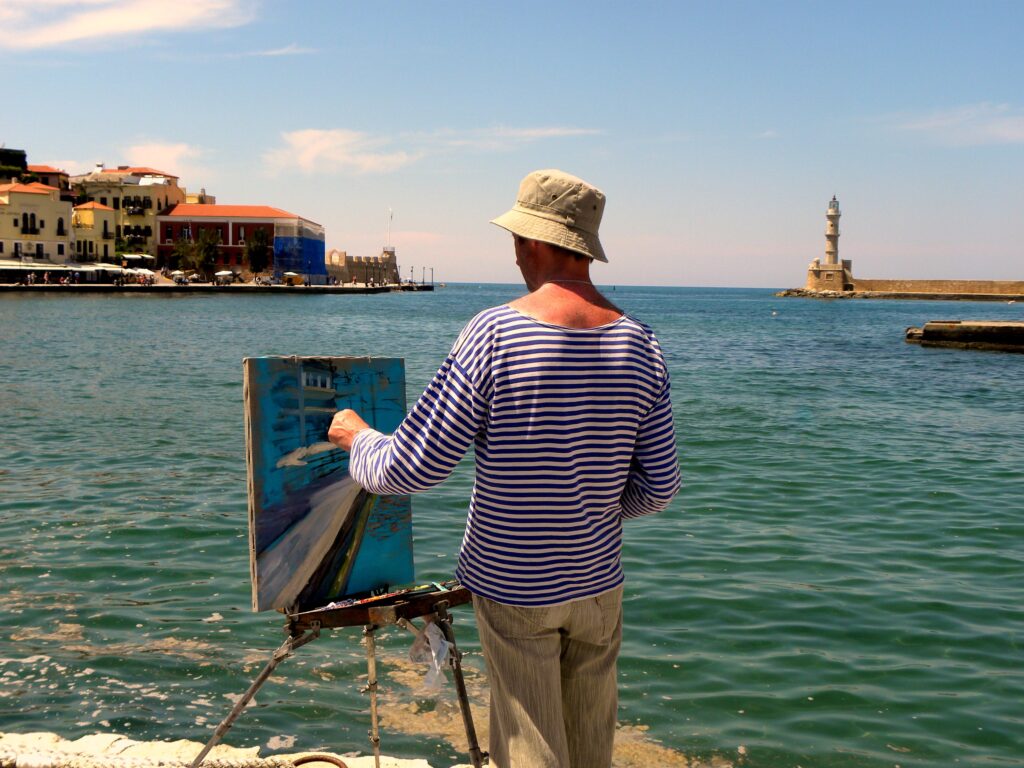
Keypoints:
pixel 566 400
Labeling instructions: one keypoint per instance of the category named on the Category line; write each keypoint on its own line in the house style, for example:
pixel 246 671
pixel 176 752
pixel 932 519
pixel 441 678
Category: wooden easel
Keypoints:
pixel 399 608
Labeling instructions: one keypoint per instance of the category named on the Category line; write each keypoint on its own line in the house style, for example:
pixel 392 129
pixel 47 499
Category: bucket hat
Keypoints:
pixel 556 207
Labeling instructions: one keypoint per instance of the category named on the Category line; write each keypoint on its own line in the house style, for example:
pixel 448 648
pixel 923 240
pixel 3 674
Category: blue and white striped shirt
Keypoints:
pixel 573 432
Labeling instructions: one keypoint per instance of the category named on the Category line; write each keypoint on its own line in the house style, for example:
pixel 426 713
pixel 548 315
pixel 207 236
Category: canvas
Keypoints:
pixel 315 536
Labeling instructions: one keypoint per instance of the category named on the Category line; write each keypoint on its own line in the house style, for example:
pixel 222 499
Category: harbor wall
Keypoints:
pixel 997 287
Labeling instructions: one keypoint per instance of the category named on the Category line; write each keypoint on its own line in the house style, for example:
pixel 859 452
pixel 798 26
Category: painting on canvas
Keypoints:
pixel 315 536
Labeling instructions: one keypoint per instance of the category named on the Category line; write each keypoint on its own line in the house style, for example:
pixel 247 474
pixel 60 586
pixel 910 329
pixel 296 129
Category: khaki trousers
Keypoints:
pixel 554 695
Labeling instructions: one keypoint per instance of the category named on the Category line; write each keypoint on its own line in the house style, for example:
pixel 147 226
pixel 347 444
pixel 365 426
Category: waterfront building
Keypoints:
pixel 93 226
pixel 137 195
pixel 35 224
pixel 380 269
pixel 52 177
pixel 297 244
pixel 200 198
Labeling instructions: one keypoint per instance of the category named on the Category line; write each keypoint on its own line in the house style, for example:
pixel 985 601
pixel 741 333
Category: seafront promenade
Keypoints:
pixel 204 288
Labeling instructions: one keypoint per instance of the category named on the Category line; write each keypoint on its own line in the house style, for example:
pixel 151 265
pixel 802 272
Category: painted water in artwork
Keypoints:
pixel 316 536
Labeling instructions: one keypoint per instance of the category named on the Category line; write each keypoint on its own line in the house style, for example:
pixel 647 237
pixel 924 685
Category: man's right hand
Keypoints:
pixel 344 428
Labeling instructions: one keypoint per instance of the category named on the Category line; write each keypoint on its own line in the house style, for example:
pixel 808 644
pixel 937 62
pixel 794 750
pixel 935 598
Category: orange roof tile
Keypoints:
pixel 203 210
pixel 93 206
pixel 44 169
pixel 31 189
pixel 140 170
pixel 40 185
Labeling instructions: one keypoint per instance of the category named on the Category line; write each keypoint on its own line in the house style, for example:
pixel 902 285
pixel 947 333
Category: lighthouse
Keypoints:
pixel 831 275
pixel 832 232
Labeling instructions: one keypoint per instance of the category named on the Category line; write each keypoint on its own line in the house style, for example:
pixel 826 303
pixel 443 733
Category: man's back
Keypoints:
pixel 556 445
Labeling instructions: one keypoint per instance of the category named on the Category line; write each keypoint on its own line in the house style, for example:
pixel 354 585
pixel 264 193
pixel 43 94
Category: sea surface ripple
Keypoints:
pixel 840 583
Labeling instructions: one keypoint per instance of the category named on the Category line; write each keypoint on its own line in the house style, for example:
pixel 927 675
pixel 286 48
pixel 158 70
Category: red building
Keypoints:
pixel 233 224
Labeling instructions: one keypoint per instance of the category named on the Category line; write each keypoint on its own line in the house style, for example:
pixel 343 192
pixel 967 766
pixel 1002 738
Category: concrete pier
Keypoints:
pixel 996 335
pixel 239 289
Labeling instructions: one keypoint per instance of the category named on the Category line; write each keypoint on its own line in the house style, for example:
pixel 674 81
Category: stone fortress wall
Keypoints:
pixel 993 287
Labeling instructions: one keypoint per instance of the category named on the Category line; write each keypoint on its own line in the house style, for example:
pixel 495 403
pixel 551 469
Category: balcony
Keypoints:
pixel 134 210
pixel 30 230
pixel 107 235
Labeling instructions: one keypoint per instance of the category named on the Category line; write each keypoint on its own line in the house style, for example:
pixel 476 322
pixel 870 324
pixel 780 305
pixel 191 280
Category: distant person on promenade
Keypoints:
pixel 567 402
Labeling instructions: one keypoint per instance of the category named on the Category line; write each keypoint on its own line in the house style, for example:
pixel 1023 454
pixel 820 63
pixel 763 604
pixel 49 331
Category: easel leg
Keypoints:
pixel 371 686
pixel 476 756
pixel 282 653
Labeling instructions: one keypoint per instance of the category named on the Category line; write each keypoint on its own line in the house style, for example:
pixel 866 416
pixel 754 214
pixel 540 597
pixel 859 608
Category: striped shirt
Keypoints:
pixel 573 432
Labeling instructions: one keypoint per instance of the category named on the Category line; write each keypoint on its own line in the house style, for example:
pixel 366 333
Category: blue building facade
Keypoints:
pixel 299 248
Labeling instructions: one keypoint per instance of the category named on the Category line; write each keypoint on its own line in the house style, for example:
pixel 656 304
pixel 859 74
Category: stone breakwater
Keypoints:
pixel 1005 336
pixel 915 295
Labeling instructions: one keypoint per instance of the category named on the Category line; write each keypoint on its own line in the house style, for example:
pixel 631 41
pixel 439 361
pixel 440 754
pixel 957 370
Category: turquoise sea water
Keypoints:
pixel 841 582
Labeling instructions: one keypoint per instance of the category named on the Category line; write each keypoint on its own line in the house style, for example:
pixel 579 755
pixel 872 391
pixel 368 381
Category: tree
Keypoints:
pixel 182 254
pixel 203 254
pixel 257 251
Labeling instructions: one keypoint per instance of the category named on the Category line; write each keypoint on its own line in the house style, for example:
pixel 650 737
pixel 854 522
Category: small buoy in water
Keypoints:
pixel 774 313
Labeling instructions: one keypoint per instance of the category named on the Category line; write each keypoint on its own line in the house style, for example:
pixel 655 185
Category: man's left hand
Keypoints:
pixel 344 428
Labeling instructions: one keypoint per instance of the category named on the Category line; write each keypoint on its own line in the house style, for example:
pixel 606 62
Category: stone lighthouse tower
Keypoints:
pixel 832 232
pixel 832 274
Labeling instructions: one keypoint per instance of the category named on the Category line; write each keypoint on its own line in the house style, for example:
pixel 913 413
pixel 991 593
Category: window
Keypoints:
pixel 1 246
pixel 241 234
pixel 60 226
pixel 117 203
pixel 91 246
pixel 105 253
pixel 60 249
pixel 42 223
pixel 103 201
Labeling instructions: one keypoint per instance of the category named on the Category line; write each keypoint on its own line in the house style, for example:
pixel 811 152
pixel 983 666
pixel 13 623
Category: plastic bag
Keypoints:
pixel 431 648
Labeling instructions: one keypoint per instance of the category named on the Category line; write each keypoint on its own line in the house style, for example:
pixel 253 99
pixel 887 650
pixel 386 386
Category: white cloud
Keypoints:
pixel 325 151
pixel 29 24
pixel 292 49
pixel 179 159
pixel 502 138
pixel 968 125
pixel 288 50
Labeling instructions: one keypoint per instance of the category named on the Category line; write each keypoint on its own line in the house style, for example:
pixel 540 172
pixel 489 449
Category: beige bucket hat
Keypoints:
pixel 558 208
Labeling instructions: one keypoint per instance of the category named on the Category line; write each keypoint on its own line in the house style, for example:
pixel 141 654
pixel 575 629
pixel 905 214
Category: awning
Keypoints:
pixel 36 266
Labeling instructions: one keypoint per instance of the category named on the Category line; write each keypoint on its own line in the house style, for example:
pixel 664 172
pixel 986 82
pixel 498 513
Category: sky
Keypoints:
pixel 719 131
